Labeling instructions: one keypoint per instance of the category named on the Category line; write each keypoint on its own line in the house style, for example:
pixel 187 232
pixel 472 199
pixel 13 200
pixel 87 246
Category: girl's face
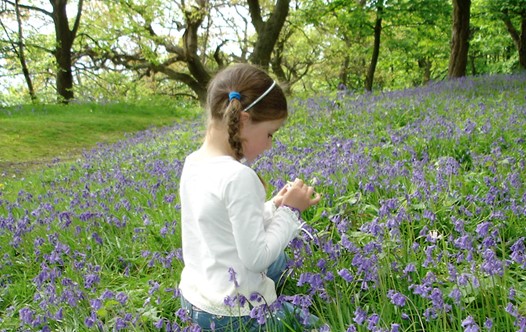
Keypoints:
pixel 257 137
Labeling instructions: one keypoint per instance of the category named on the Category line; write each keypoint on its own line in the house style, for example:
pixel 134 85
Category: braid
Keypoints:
pixel 232 119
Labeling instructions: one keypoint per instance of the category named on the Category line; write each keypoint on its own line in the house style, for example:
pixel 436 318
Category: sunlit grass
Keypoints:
pixel 37 134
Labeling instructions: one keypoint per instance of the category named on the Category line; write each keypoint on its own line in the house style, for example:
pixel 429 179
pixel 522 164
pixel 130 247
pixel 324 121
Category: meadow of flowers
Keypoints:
pixel 422 226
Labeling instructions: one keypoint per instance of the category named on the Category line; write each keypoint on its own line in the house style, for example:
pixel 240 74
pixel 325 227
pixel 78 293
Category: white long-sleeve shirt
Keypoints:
pixel 230 236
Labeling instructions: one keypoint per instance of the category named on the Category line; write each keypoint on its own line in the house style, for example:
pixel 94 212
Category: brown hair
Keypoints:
pixel 250 82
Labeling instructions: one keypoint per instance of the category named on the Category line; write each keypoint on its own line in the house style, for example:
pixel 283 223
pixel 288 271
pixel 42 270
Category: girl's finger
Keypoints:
pixel 316 199
pixel 284 190
pixel 310 191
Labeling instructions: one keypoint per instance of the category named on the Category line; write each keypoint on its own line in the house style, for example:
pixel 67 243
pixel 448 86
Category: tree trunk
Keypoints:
pixel 21 55
pixel 64 38
pixel 276 65
pixel 425 64
pixel 376 48
pixel 519 38
pixel 459 38
pixel 343 75
pixel 194 17
pixel 267 32
pixel 522 46
pixel 473 66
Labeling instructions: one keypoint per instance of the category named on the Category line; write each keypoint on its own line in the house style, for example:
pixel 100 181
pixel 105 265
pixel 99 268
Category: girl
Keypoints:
pixel 233 241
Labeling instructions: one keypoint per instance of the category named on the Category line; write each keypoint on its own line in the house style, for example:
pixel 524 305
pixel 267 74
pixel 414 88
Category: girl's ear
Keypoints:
pixel 244 117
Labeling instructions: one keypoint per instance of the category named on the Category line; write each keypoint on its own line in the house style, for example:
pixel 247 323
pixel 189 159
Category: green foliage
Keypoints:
pixel 327 42
pixel 499 55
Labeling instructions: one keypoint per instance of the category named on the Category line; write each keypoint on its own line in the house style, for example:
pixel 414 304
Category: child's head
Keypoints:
pixel 250 83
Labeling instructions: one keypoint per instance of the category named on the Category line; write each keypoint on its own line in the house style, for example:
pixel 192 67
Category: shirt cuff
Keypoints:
pixel 293 216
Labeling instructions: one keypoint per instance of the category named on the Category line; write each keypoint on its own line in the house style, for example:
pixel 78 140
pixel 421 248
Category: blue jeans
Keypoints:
pixel 278 321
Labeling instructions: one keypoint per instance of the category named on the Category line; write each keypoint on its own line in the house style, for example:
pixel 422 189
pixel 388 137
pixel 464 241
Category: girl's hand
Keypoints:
pixel 298 195
pixel 278 199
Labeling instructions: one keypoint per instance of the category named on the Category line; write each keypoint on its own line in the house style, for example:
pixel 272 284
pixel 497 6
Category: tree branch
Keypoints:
pixel 77 19
pixel 255 14
pixel 43 11
pixel 511 29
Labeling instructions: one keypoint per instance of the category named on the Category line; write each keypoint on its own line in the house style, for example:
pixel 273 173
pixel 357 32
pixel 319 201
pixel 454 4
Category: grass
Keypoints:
pixel 421 226
pixel 35 135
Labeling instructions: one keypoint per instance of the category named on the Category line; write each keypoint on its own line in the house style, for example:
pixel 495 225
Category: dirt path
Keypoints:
pixel 18 169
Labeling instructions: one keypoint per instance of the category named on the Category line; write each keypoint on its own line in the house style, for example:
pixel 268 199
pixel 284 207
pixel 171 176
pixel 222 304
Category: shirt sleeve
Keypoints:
pixel 258 242
pixel 268 213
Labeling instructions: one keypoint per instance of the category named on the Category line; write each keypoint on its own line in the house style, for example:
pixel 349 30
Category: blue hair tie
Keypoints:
pixel 234 95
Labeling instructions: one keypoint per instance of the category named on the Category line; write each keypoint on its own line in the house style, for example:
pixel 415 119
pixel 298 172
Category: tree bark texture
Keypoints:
pixel 425 64
pixel 519 37
pixel 522 43
pixel 376 47
pixel 64 37
pixel 459 38
pixel 267 32
pixel 194 17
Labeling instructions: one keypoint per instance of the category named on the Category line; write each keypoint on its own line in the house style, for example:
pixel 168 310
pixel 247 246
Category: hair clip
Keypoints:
pixel 234 95
pixel 260 97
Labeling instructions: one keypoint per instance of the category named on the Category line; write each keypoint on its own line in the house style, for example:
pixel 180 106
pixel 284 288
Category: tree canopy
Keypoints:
pixel 102 50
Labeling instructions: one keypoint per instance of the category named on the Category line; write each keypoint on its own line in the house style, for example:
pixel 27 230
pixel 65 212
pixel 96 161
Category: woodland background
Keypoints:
pixel 101 50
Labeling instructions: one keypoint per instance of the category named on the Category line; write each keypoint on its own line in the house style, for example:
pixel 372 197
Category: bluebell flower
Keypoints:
pixel 518 252
pixel 314 280
pixel 233 274
pixel 464 242
pixel 410 267
pixel 351 328
pixel 159 324
pixel 182 314
pixel 324 328
pixel 107 294
pixel 26 315
pixel 488 324
pixel 360 316
pixel 372 321
pixel 491 264
pixel 346 275
pixel 512 310
pixel 230 301
pixel 122 298
pixel 396 298
pixel 470 325
pixel 96 237
pixel 255 297
pixel 456 295
pixel 395 327
pixel 90 320
pixel 259 313
pixel 95 304
pixel 120 324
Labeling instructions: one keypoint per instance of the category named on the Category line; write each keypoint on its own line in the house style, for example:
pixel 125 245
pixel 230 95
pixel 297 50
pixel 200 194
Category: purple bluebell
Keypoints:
pixel 122 298
pixel 469 324
pixel 346 275
pixel 360 316
pixel 396 298
pixel 488 324
pixel 233 275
